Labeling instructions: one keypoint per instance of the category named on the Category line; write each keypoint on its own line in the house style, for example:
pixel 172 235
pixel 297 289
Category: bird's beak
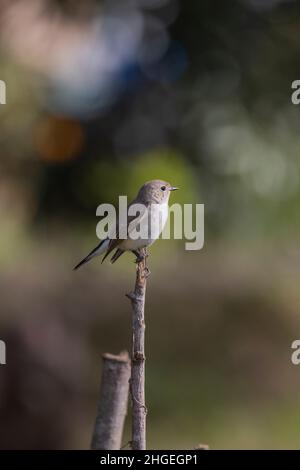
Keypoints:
pixel 173 188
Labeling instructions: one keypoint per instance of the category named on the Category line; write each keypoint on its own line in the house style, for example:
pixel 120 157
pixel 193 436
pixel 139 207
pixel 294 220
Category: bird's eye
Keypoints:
pixel 163 188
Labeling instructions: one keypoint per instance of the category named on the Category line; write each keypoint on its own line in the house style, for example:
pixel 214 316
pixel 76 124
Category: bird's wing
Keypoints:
pixel 132 223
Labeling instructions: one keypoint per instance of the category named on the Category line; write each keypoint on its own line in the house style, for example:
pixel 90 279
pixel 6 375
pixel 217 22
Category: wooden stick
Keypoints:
pixel 112 404
pixel 137 382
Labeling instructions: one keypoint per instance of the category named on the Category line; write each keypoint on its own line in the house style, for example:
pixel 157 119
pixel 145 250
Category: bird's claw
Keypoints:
pixel 140 256
pixel 139 259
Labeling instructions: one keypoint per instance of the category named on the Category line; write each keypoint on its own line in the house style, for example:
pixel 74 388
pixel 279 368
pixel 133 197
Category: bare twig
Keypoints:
pixel 112 405
pixel 137 382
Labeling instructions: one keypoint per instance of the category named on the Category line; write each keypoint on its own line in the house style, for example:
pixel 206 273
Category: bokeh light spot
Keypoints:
pixel 58 139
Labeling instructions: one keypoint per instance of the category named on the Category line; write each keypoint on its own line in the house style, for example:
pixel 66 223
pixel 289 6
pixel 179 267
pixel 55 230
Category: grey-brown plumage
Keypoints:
pixel 154 195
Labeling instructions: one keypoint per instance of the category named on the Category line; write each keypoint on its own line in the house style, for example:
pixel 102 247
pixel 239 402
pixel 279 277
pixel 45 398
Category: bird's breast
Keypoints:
pixel 158 215
pixel 149 228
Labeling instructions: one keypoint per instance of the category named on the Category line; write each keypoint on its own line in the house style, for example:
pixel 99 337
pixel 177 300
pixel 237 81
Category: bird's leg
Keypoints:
pixel 140 256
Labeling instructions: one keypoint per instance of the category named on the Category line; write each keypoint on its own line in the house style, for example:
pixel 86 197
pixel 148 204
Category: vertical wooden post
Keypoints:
pixel 137 382
pixel 113 401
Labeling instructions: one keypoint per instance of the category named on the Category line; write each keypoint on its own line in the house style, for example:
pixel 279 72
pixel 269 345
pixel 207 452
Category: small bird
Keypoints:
pixel 154 195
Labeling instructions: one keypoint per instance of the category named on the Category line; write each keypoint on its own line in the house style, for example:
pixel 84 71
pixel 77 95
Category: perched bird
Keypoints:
pixel 154 196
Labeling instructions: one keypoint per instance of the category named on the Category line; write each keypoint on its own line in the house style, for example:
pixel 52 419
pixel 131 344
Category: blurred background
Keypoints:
pixel 101 97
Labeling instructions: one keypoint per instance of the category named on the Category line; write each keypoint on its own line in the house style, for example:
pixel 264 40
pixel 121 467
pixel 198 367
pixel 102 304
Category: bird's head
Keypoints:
pixel 155 192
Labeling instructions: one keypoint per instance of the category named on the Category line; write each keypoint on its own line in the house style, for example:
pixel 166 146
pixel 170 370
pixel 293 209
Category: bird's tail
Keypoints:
pixel 116 255
pixel 101 248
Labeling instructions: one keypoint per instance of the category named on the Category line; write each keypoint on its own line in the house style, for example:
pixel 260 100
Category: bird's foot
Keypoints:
pixel 140 256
